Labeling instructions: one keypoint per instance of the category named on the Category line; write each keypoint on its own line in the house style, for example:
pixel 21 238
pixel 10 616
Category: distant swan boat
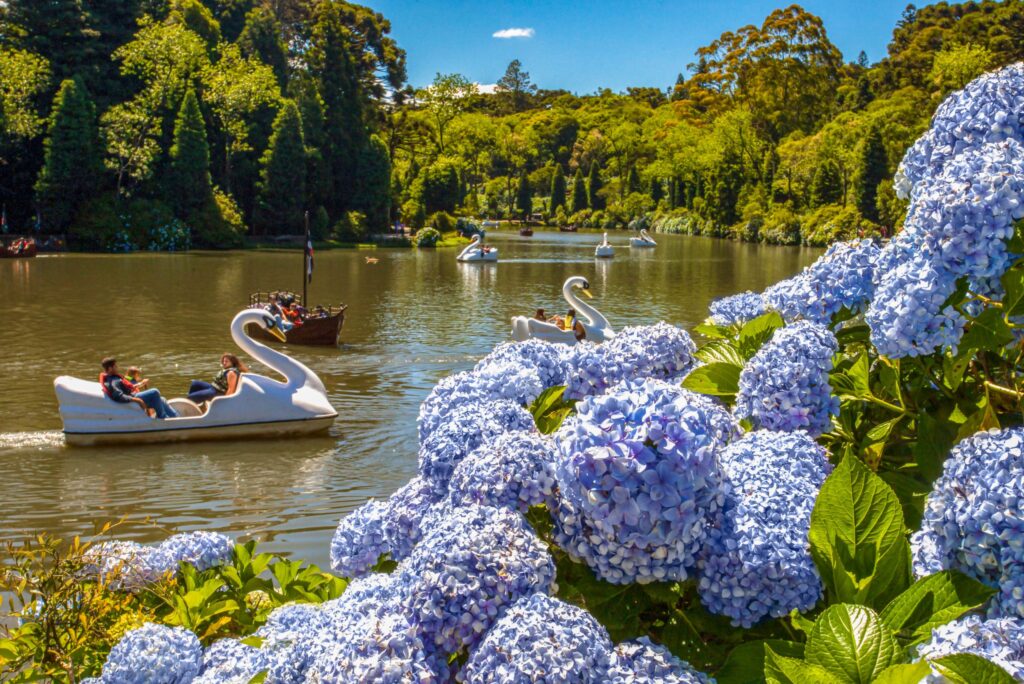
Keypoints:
pixel 475 252
pixel 644 240
pixel 604 250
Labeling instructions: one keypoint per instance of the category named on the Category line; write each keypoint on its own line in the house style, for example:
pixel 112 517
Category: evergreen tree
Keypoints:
pixel 633 181
pixel 71 161
pixel 827 184
pixel 188 187
pixel 54 29
pixel 282 187
pixel 579 193
pixel 515 86
pixel 524 198
pixel 594 200
pixel 657 190
pixel 872 168
pixel 373 192
pixel 109 25
pixel 318 179
pixel 557 190
pixel 261 38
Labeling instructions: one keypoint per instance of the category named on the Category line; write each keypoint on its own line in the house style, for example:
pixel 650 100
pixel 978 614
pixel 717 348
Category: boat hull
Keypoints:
pixel 324 332
pixel 280 428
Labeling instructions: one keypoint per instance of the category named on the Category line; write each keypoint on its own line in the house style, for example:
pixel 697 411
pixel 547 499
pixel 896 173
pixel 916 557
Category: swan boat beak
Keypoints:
pixel 273 328
pixel 587 293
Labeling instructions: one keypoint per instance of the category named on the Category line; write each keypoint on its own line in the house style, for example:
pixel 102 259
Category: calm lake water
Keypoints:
pixel 413 318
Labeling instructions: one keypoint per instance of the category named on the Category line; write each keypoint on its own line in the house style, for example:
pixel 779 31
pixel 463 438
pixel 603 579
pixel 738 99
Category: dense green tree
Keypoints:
pixel 445 98
pixel 282 187
pixel 524 197
pixel 261 38
pixel 515 87
pixel 594 199
pixel 70 172
pixel 197 18
pixel 872 169
pixel 188 187
pixel 657 190
pixel 633 181
pixel 23 76
pixel 827 186
pixel 54 29
pixel 439 185
pixel 373 191
pixel 557 190
pixel 579 193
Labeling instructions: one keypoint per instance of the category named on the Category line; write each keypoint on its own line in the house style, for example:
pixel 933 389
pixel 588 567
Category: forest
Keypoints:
pixel 164 124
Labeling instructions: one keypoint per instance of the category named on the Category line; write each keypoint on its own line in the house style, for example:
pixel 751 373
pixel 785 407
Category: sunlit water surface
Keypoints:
pixel 414 317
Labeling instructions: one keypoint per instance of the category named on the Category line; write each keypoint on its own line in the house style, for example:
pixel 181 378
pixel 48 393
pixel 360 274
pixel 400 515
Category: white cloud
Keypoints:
pixel 486 88
pixel 514 33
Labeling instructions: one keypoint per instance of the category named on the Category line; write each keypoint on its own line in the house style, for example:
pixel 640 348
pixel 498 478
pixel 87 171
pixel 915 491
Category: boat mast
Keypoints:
pixel 305 264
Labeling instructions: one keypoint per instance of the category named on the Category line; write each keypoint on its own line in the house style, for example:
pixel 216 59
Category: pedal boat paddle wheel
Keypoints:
pixel 261 407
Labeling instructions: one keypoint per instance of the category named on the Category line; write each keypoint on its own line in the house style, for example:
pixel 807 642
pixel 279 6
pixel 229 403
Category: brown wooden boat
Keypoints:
pixel 526 231
pixel 567 229
pixel 17 247
pixel 322 325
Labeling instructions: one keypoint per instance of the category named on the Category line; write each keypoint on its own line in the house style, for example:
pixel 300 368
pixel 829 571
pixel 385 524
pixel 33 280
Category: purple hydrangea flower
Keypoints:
pixel 359 540
pixel 639 481
pixel 757 561
pixel 549 360
pixel 514 471
pixel 154 654
pixel 643 662
pixel 202 549
pixel 785 386
pixel 229 660
pixel 406 508
pixel 1001 641
pixel 736 309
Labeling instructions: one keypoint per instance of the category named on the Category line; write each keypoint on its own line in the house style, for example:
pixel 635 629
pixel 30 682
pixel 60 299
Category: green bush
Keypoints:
pixel 832 223
pixel 781 227
pixel 219 224
pixel 442 221
pixel 427 237
pixel 580 218
pixel 320 224
pixel 351 228
pixel 95 225
pixel 414 214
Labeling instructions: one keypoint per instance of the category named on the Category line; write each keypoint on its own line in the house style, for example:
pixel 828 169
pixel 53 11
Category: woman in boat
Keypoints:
pixel 225 383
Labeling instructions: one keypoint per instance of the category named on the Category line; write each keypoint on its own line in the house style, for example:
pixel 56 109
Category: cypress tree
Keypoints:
pixel 633 181
pixel 557 190
pixel 282 186
pixel 657 190
pixel 188 187
pixel 872 168
pixel 524 197
pixel 71 160
pixel 594 200
pixel 261 38
pixel 827 185
pixel 579 193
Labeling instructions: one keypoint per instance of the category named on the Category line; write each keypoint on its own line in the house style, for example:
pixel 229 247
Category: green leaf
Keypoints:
pixel 857 537
pixel 720 351
pixel 547 400
pixel 850 379
pixel 982 418
pixel 988 331
pixel 852 334
pixel 933 601
pixel 550 409
pixel 715 379
pixel 259 678
pixel 1013 284
pixel 967 668
pixel 758 331
pixel 712 331
pixel 745 664
pixel 780 669
pixel 852 643
pixel 934 440
pixel 904 674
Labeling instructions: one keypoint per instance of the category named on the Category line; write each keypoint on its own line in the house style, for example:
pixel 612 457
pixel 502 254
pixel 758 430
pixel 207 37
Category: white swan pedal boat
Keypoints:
pixel 644 240
pixel 605 249
pixel 474 251
pixel 260 407
pixel 596 326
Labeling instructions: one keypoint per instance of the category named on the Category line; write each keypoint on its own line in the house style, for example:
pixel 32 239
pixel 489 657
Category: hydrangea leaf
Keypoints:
pixel 852 643
pixel 849 380
pixel 723 351
pixel 967 668
pixel 754 334
pixel 1013 284
pixel 933 601
pixel 988 331
pixel 857 537
pixel 712 331
pixel 904 674
pixel 780 669
pixel 853 333
pixel 715 379
pixel 746 662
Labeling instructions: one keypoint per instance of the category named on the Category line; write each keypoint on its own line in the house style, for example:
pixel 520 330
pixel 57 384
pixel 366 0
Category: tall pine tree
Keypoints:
pixel 579 193
pixel 188 187
pixel 827 184
pixel 524 198
pixel 282 187
pixel 71 161
pixel 557 190
pixel 632 181
pixel 594 199
pixel 261 38
pixel 657 190
pixel 872 168
pixel 373 190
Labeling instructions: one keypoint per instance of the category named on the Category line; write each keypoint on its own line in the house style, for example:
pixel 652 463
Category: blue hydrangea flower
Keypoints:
pixel 465 429
pixel 375 594
pixel 974 517
pixel 757 561
pixel 467 570
pixel 229 660
pixel 643 662
pixel 154 654
pixel 1000 641
pixel 639 481
pixel 405 511
pixel 202 549
pixel 549 360
pixel 125 565
pixel 593 368
pixel 359 540
pixel 516 471
pixel 541 639
pixel 736 309
pixel 290 641
pixel 785 386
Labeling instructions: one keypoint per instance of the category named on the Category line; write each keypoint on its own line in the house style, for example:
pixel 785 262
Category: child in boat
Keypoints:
pixel 225 383
pixel 118 389
pixel 134 376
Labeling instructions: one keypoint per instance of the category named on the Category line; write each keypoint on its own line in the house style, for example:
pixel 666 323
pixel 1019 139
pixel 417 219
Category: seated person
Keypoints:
pixel 118 389
pixel 293 314
pixel 570 323
pixel 541 316
pixel 225 383
pixel 134 376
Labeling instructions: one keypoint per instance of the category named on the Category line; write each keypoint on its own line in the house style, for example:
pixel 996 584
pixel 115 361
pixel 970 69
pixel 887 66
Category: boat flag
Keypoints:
pixel 309 258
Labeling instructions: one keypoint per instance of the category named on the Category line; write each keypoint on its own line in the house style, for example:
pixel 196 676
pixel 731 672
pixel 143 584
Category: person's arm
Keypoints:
pixel 118 394
pixel 233 379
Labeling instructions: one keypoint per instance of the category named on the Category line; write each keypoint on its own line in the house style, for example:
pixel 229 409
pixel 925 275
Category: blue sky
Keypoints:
pixel 584 45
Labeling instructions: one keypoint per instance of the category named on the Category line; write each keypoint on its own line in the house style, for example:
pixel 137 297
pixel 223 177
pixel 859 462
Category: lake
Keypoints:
pixel 413 318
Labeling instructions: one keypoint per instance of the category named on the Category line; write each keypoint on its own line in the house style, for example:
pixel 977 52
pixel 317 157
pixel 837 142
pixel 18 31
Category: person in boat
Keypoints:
pixel 274 308
pixel 570 323
pixel 294 314
pixel 119 389
pixel 225 383
pixel 541 316
pixel 134 376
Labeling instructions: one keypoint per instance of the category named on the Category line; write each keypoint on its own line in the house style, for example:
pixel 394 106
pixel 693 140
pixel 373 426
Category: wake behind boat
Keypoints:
pixel 261 406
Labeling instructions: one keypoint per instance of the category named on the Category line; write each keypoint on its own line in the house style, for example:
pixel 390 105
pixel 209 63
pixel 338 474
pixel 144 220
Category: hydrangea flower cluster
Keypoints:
pixel 736 309
pixel 229 660
pixel 1001 641
pixel 785 386
pixel 549 360
pixel 541 639
pixel 639 481
pixel 359 540
pixel 514 471
pixel 757 560
pixel 406 509
pixel 154 654
pixel 131 566
pixel 841 278
pixel 643 662
pixel 467 427
pixel 974 517
pixel 378 648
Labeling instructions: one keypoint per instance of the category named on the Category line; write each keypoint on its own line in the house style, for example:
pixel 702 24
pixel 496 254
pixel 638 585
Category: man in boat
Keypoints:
pixel 570 323
pixel 541 316
pixel 118 389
